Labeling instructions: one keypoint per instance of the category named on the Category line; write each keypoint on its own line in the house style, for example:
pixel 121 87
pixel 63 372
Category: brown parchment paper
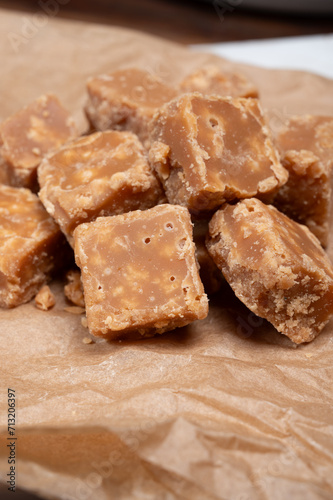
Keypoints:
pixel 226 408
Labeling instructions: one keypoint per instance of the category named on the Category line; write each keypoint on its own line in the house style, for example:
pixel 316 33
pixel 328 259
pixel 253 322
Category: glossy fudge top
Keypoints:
pixel 102 174
pixel 41 127
pixel 95 157
pixel 135 88
pixel 211 80
pixel 221 144
pixel 263 238
pixel 139 270
pixel 23 219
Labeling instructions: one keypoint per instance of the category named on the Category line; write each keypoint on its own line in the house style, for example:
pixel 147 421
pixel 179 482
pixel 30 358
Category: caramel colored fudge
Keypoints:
pixel 210 274
pixel 275 266
pixel 208 150
pixel 31 133
pixel 31 245
pixel 306 146
pixel 45 299
pixel 126 100
pixel 139 272
pixel 210 80
pixel 73 290
pixel 4 174
pixel 106 173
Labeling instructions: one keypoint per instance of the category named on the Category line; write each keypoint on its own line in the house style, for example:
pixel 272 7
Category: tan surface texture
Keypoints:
pixel 209 149
pixel 139 273
pixel 223 409
pixel 105 173
pixel 275 266
pixel 35 130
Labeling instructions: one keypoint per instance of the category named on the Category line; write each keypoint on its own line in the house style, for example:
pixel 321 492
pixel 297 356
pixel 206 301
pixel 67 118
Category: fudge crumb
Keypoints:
pixel 84 322
pixel 45 299
pixel 74 309
pixel 87 340
pixel 73 290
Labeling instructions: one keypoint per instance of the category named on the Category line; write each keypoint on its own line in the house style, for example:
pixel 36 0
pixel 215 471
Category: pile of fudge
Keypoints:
pixel 171 191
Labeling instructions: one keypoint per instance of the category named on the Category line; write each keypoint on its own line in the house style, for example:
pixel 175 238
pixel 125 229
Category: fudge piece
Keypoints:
pixel 31 245
pixel 73 290
pixel 211 80
pixel 306 146
pixel 275 266
pixel 106 173
pixel 208 150
pixel 39 128
pixel 139 272
pixel 45 299
pixel 210 274
pixel 126 100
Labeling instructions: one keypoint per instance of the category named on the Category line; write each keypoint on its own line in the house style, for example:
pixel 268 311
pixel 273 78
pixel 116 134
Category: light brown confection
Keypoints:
pixel 126 100
pixel 210 274
pixel 306 146
pixel 139 273
pixel 31 133
pixel 106 173
pixel 45 299
pixel 84 322
pixel 210 80
pixel 4 174
pixel 31 246
pixel 208 150
pixel 275 266
pixel 87 340
pixel 73 290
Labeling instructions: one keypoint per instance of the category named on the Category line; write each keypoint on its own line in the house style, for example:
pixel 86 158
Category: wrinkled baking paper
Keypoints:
pixel 226 408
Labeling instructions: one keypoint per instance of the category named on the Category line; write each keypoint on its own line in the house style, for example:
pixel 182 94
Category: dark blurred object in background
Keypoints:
pixel 192 21
pixel 310 7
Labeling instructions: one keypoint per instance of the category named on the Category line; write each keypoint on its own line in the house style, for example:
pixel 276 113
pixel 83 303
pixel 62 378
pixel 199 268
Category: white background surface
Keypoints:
pixel 309 53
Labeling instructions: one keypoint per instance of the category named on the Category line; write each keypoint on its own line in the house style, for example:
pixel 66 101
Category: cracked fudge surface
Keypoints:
pixel 126 100
pixel 28 135
pixel 275 266
pixel 208 150
pixel 106 173
pixel 139 272
pixel 210 80
pixel 31 245
pixel 306 146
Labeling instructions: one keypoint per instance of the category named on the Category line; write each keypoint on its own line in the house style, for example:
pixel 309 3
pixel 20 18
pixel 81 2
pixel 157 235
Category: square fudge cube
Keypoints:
pixel 208 150
pixel 139 272
pixel 31 246
pixel 126 100
pixel 210 80
pixel 106 173
pixel 306 147
pixel 275 266
pixel 28 135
